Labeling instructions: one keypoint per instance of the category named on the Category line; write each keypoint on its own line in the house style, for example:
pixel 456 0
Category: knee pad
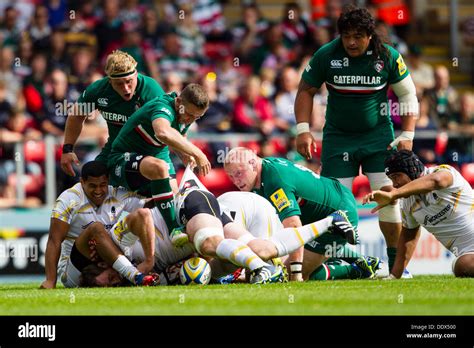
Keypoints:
pixel 202 234
pixel 378 180
pixel 390 213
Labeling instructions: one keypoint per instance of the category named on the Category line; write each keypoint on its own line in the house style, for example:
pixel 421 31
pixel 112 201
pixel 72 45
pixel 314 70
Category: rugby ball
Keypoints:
pixel 195 271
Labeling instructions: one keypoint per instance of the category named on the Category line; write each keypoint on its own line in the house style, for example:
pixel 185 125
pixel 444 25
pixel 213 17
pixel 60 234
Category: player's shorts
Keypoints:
pixel 71 277
pixel 343 153
pixel 124 171
pixel 201 202
pixel 459 245
pixel 326 243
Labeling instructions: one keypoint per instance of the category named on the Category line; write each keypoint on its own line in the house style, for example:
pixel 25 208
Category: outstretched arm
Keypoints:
pixel 434 181
pixel 57 233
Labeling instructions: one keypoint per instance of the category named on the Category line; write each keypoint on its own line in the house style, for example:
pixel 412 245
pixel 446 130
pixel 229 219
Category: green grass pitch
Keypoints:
pixel 423 295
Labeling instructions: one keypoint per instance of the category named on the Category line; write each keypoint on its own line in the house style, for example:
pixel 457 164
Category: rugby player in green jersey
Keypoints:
pixel 116 96
pixel 358 70
pixel 140 158
pixel 301 196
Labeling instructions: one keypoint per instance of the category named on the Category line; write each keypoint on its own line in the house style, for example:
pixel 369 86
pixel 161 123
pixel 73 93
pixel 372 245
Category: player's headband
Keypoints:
pixel 404 161
pixel 125 74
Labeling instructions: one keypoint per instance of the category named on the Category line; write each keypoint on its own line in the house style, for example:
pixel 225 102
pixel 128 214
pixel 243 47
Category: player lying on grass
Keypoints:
pixel 140 237
pixel 437 198
pixel 261 228
pixel 300 196
pixel 75 212
pixel 95 249
pixel 140 159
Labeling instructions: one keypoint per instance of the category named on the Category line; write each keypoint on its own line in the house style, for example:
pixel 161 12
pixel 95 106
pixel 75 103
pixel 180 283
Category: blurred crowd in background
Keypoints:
pixel 51 50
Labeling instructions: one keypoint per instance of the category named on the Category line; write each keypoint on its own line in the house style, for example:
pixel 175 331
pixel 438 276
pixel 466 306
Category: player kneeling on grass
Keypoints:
pixel 81 210
pixel 439 199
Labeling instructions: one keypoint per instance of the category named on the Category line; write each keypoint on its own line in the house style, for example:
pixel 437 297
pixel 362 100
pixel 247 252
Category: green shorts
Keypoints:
pixel 124 171
pixel 326 243
pixel 343 153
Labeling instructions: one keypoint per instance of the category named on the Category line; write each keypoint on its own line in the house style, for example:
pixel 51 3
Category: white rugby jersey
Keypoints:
pixel 251 211
pixel 447 213
pixel 74 208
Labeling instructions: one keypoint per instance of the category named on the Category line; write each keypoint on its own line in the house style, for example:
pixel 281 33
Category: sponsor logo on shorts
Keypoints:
pixel 280 200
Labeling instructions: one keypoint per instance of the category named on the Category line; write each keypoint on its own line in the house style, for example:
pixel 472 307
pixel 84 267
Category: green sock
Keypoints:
pixel 163 199
pixel 391 253
pixel 333 272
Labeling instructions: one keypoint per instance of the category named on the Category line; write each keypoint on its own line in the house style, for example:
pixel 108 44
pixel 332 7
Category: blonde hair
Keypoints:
pixel 119 63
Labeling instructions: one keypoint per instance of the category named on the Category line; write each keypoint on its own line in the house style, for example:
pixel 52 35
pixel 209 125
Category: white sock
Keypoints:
pixel 239 254
pixel 125 268
pixel 290 239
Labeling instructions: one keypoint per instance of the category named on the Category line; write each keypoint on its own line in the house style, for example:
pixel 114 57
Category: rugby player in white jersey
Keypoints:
pixel 83 209
pixel 437 198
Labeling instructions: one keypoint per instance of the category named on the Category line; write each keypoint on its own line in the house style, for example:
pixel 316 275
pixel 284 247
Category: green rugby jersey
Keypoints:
pixel 114 109
pixel 138 136
pixel 287 186
pixel 357 86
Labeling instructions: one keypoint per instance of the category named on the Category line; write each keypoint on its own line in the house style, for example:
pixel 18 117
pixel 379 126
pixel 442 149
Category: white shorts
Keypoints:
pixel 68 273
pixel 462 245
